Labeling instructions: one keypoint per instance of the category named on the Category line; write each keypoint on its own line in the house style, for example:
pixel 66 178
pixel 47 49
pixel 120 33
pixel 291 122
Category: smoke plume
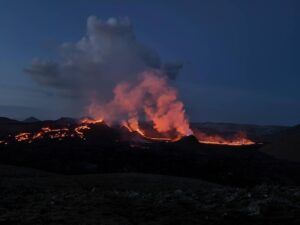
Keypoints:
pixel 151 98
pixel 107 58
pixel 107 54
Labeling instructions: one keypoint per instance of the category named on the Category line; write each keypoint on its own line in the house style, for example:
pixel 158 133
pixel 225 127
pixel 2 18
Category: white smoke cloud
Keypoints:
pixel 109 53
pixel 152 98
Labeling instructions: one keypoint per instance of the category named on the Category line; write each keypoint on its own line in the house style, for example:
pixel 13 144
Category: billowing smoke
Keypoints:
pixel 110 58
pixel 107 54
pixel 151 98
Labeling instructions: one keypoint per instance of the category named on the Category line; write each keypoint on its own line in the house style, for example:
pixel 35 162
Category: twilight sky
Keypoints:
pixel 240 58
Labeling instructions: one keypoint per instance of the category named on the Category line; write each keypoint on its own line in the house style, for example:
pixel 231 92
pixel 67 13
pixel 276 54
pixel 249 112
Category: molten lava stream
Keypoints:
pixel 55 133
pixel 134 127
pixel 79 130
pixel 238 140
pixel 91 121
pixel 23 137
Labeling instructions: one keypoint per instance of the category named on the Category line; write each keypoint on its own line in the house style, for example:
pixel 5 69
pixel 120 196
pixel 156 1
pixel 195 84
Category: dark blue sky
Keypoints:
pixel 241 58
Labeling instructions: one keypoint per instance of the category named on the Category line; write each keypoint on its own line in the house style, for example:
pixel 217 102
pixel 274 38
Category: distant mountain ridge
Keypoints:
pixel 257 132
pixel 31 120
pixel 5 120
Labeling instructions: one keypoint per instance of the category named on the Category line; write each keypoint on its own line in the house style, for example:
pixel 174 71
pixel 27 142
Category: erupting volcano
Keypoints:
pixel 153 99
pixel 79 131
pixel 150 98
pixel 239 138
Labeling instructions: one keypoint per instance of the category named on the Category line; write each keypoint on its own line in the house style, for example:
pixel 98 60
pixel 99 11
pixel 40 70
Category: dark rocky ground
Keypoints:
pixel 34 197
pixel 108 179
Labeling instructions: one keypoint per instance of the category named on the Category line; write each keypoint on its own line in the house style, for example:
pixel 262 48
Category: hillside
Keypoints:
pixel 287 145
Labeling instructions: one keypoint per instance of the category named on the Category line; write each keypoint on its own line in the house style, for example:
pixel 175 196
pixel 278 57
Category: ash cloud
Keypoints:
pixel 109 53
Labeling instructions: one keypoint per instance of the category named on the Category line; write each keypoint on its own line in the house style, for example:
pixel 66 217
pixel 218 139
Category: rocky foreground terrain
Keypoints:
pixel 108 178
pixel 34 197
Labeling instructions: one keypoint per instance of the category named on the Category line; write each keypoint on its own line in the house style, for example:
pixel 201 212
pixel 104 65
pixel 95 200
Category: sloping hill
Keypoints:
pixel 31 120
pixel 287 146
pixel 5 120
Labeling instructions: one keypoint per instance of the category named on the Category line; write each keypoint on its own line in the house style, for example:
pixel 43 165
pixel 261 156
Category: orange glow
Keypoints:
pixel 53 133
pixel 239 139
pixel 38 135
pixel 22 137
pixel 91 121
pixel 79 130
pixel 133 126
pixel 150 97
pixel 47 132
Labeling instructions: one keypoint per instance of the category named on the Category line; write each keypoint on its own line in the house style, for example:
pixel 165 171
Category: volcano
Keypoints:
pixel 68 128
pixel 86 145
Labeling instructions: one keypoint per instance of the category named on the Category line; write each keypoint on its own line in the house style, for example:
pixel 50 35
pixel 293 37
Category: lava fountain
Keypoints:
pixel 151 98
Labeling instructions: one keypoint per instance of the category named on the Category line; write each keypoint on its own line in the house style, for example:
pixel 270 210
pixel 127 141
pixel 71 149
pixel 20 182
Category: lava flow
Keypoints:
pixel 132 125
pixel 151 98
pixel 53 133
pixel 135 128
pixel 238 139
pixel 47 132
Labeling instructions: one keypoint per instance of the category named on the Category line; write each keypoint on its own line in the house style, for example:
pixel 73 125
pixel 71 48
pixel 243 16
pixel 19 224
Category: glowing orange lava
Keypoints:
pixel 51 133
pixel 132 125
pixel 54 133
pixel 22 137
pixel 239 139
pixel 79 130
pixel 152 98
pixel 91 121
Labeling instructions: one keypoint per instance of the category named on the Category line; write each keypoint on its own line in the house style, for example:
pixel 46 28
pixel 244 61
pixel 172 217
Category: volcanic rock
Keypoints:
pixel 188 140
